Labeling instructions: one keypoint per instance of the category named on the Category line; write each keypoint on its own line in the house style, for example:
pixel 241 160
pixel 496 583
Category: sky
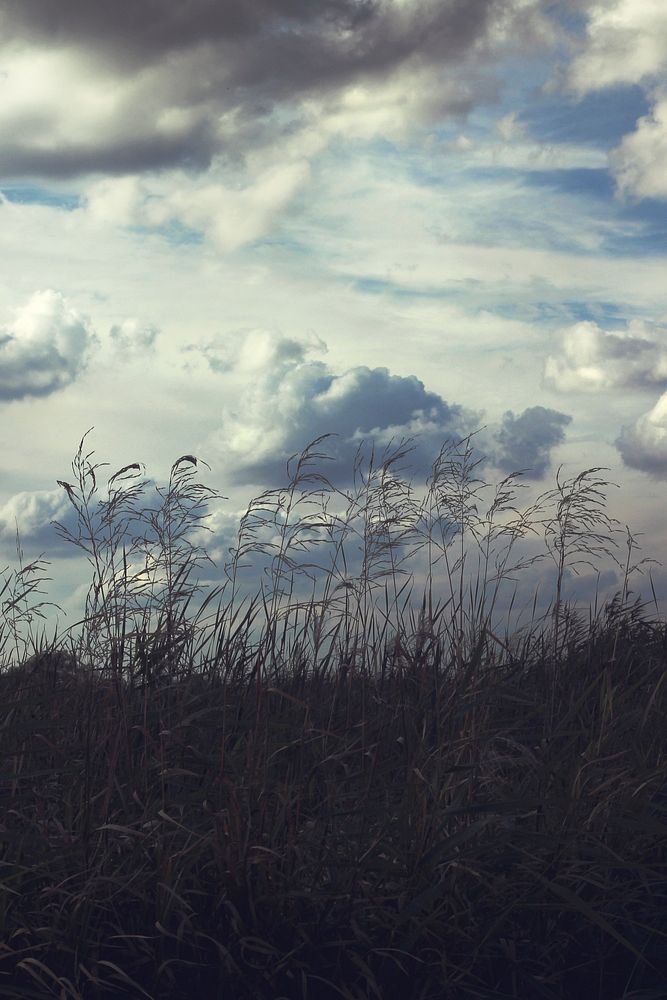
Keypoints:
pixel 229 226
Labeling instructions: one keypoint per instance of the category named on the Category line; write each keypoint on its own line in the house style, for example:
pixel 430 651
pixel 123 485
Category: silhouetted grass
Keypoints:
pixel 350 782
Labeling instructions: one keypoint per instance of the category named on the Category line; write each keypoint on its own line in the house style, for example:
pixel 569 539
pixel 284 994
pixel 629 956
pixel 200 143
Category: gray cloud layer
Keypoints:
pixel 296 41
pixel 177 84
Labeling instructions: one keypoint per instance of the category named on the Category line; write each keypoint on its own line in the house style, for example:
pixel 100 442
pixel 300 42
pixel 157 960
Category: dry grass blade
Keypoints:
pixel 341 770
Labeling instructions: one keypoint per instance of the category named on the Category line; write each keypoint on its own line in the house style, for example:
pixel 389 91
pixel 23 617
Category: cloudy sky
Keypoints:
pixel 228 226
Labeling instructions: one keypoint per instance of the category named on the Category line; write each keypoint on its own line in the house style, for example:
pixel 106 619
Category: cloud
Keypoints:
pixel 65 113
pixel 288 400
pixel 295 41
pixel 33 513
pixel 140 87
pixel 45 349
pixel 643 445
pixel 509 128
pixel 132 337
pixel 285 399
pixel 593 359
pixel 638 163
pixel 626 43
pixel 524 442
pixel 229 217
pixel 115 200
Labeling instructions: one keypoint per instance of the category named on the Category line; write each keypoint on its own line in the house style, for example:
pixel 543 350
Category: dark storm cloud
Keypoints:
pixel 204 61
pixel 127 154
pixel 525 441
pixel 304 41
pixel 149 25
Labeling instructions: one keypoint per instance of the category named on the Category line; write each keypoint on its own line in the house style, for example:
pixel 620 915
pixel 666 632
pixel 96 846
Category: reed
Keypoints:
pixel 360 777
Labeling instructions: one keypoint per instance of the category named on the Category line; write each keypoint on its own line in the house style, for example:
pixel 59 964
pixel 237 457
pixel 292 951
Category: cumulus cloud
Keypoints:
pixel 638 163
pixel 286 398
pixel 643 445
pixel 45 348
pixel 141 86
pixel 524 442
pixel 592 359
pixel 626 43
pixel 33 513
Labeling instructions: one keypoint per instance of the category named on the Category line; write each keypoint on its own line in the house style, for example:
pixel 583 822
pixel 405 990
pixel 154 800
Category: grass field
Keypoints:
pixel 350 782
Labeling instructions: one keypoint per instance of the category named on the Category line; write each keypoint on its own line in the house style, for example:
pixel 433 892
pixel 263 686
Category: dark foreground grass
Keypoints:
pixel 302 799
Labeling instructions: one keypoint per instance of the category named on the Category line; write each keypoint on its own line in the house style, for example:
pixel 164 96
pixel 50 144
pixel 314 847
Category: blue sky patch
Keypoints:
pixel 27 194
pixel 600 118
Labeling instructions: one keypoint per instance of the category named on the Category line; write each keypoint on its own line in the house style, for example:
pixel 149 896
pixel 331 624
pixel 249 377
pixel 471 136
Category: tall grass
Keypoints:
pixel 367 775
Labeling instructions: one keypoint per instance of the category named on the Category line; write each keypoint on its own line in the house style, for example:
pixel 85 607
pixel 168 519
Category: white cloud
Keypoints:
pixel 229 214
pixel 131 337
pixel 33 513
pixel 45 348
pixel 414 96
pixel 509 128
pixel 63 113
pixel 638 163
pixel 643 445
pixel 41 88
pixel 115 200
pixel 231 217
pixel 626 43
pixel 592 359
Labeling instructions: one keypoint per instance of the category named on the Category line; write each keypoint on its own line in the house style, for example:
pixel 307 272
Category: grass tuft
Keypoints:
pixel 365 777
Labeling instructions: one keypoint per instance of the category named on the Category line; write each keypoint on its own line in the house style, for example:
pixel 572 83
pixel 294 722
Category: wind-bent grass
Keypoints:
pixel 352 782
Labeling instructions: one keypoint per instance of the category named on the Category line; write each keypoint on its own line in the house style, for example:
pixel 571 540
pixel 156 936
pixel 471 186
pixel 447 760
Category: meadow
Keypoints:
pixel 350 767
